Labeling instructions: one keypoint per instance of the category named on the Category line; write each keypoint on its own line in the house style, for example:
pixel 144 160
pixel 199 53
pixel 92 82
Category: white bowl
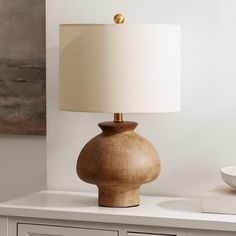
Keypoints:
pixel 228 174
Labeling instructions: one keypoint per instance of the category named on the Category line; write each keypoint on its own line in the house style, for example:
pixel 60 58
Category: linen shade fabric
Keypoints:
pixel 120 68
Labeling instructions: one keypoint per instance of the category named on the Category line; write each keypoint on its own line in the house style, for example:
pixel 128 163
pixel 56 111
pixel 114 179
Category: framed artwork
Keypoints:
pixel 22 67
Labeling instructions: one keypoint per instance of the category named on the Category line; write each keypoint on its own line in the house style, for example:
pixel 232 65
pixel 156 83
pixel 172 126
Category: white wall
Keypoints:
pixel 194 143
pixel 22 165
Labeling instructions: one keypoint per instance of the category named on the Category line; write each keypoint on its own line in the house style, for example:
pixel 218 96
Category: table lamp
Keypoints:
pixel 119 68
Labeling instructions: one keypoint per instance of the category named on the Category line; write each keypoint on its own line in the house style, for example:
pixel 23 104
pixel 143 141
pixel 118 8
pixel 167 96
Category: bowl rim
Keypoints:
pixel 222 170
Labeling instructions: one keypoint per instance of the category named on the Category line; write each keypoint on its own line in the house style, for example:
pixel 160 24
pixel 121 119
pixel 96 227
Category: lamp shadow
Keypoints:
pixel 182 205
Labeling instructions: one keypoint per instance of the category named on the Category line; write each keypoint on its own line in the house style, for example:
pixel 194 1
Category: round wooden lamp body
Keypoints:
pixel 118 161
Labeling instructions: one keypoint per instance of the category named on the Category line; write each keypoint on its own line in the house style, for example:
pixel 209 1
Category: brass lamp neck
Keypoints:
pixel 118 19
pixel 118 117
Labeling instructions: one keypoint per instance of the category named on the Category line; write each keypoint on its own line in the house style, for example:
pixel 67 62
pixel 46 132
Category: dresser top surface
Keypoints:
pixel 153 211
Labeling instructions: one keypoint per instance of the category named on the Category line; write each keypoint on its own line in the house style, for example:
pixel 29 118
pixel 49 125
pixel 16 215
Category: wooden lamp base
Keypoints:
pixel 118 161
pixel 118 197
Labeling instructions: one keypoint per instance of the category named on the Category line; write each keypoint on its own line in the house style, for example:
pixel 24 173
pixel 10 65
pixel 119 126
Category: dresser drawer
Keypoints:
pixel 44 230
pixel 149 234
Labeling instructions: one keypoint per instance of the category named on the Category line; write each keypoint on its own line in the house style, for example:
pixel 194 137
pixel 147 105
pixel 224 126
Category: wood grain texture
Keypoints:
pixel 118 161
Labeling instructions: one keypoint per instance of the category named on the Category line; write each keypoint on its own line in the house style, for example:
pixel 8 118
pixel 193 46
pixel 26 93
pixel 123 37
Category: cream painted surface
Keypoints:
pixel 80 208
pixel 3 225
pixel 193 144
pixel 22 165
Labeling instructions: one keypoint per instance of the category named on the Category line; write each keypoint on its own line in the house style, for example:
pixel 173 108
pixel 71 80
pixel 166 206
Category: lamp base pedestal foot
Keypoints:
pixel 111 197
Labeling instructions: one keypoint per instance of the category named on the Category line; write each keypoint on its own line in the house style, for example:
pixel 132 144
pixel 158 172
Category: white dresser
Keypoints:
pixel 53 213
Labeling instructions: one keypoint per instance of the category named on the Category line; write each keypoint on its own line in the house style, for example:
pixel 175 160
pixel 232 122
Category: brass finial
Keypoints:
pixel 118 117
pixel 119 19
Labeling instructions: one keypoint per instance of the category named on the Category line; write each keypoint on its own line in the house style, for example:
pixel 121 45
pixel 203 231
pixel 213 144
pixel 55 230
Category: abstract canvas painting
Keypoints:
pixel 22 67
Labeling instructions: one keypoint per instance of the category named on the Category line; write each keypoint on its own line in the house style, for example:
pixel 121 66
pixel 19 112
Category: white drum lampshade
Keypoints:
pixel 126 68
pixel 120 68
